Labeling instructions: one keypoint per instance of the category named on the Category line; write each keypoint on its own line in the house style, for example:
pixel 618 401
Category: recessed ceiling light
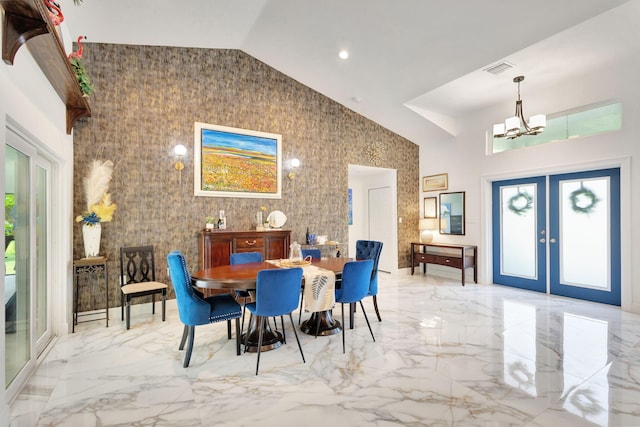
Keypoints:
pixel 343 54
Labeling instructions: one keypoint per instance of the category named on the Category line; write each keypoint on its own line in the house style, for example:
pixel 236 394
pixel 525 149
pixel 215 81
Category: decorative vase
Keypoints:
pixel 91 235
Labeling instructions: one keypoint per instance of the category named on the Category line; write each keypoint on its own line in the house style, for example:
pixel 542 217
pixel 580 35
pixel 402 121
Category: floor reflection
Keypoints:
pixel 444 355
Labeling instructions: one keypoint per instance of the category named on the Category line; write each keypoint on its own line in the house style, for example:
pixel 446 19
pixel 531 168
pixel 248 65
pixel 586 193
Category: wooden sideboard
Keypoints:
pixel 215 247
pixel 455 256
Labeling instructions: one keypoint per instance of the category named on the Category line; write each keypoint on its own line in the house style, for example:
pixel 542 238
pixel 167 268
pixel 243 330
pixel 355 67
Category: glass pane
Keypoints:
pixel 596 120
pixel 17 293
pixel 518 234
pixel 584 233
pixel 41 252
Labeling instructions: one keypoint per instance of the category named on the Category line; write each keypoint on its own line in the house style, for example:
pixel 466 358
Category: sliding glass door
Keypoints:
pixel 26 281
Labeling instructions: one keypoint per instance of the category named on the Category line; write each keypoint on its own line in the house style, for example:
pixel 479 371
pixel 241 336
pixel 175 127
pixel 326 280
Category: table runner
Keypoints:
pixel 319 287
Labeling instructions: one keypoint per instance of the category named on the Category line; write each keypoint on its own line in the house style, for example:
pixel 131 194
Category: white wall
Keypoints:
pixel 28 101
pixel 471 170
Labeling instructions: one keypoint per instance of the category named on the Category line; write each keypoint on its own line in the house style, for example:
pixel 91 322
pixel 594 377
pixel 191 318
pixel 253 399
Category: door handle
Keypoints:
pixel 552 240
pixel 542 240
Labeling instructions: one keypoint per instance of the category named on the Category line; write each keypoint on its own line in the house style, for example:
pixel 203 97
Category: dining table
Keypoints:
pixel 244 276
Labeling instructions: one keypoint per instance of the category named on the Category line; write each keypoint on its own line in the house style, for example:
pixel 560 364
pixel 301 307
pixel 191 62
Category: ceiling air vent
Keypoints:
pixel 499 68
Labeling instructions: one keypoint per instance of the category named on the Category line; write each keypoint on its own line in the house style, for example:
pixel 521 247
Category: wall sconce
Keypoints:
pixel 426 226
pixel 295 164
pixel 180 151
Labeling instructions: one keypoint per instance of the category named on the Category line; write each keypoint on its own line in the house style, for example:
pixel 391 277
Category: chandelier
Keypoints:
pixel 516 126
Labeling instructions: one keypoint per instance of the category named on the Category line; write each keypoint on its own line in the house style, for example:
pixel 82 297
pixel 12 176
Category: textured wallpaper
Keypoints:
pixel 146 101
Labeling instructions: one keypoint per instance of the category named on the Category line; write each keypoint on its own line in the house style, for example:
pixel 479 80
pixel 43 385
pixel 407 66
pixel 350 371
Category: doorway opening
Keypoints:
pixel 373 211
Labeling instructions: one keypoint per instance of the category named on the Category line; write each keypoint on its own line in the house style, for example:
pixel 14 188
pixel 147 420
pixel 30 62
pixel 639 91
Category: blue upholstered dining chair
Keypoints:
pixel 314 254
pixel 356 276
pixel 245 258
pixel 277 292
pixel 195 310
pixel 371 249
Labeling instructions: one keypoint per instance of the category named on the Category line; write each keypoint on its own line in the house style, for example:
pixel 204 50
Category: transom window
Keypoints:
pixel 591 121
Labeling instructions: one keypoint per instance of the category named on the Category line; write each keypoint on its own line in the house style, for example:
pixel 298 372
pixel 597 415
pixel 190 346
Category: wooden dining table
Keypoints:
pixel 244 276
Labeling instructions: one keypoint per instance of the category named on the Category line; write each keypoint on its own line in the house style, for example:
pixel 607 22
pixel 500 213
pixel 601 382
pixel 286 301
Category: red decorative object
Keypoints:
pixel 78 53
pixel 54 12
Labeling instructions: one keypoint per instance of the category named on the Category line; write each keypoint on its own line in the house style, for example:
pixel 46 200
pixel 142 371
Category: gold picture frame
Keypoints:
pixel 232 162
pixel 438 182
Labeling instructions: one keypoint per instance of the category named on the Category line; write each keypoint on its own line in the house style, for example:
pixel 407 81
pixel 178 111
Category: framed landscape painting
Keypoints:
pixel 232 162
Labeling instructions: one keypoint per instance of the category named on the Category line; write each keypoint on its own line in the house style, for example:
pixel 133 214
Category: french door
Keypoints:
pixel 26 280
pixel 571 221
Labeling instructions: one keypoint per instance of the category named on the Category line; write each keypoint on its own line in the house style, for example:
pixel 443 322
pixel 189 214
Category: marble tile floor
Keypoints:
pixel 445 355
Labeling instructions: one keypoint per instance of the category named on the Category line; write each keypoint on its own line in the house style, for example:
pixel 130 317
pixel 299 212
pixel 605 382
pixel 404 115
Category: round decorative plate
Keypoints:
pixel 276 219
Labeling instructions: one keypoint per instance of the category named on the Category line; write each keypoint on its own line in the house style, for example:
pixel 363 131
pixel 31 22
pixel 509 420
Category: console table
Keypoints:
pixel 92 267
pixel 458 256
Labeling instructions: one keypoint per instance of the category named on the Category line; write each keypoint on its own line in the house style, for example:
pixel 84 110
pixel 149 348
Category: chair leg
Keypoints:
pixel 128 314
pixel 153 303
pixel 262 326
pixel 367 319
pixel 122 305
pixel 246 335
pixel 352 311
pixel 185 332
pixel 229 329
pixel 297 339
pixel 375 305
pixel 164 305
pixel 343 328
pixel 238 336
pixel 284 334
pixel 244 310
pixel 301 305
pixel 187 356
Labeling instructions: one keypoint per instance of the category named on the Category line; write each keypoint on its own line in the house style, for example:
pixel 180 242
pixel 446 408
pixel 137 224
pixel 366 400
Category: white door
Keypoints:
pixel 381 223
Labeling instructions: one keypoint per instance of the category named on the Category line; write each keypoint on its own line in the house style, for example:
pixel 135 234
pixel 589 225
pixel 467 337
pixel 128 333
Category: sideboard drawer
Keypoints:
pixel 420 257
pixel 249 243
pixel 444 260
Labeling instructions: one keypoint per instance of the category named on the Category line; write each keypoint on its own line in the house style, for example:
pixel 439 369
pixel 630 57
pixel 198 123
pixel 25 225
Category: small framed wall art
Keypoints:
pixel 430 207
pixel 435 182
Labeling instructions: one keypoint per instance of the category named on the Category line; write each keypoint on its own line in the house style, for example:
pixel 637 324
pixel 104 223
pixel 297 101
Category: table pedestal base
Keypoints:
pixel 270 339
pixel 328 326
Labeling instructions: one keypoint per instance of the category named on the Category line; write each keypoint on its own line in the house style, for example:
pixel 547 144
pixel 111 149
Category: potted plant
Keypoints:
pixel 209 223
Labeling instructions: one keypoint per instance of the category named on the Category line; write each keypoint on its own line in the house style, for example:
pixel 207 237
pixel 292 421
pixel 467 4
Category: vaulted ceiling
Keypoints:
pixel 415 66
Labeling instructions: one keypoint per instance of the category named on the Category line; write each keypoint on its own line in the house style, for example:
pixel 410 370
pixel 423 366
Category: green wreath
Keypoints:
pixel 583 200
pixel 520 203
